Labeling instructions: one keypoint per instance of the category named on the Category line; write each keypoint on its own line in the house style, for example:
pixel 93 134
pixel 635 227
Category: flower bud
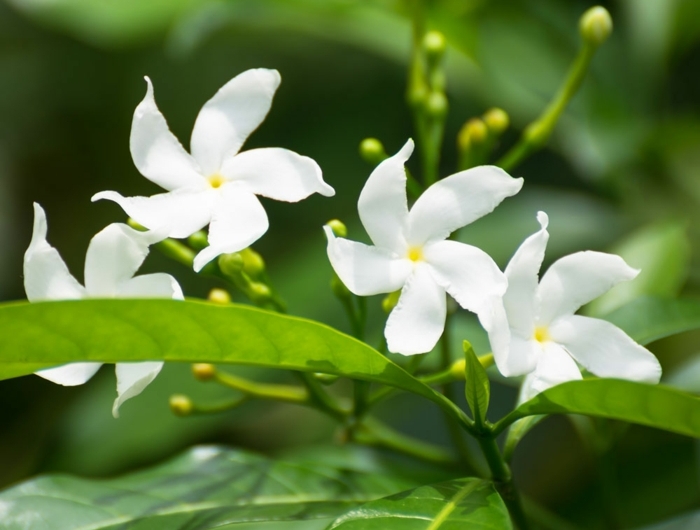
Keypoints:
pixel 457 368
pixel 231 264
pixel 338 287
pixel 372 151
pixel 390 301
pixel 253 263
pixel 198 240
pixel 339 229
pixel 596 25
pixel 203 371
pixel 259 292
pixel 436 104
pixel 219 296
pixel 181 405
pixel 434 45
pixel 496 120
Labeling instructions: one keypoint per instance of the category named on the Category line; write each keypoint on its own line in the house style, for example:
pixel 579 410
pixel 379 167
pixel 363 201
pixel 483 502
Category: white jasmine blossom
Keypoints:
pixel 411 251
pixel 216 185
pixel 112 258
pixel 540 335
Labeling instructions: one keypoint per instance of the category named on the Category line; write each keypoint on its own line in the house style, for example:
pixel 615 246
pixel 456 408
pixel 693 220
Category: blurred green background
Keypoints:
pixel 622 173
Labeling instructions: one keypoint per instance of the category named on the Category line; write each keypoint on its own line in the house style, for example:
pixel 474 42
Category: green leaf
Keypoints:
pixel 477 388
pixel 207 487
pixel 461 503
pixel 50 333
pixel 517 432
pixel 650 318
pixel 651 405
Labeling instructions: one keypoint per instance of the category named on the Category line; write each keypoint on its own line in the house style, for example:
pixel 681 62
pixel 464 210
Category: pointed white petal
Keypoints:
pixel 228 118
pixel 382 204
pixel 46 276
pixel 418 320
pixel 73 374
pixel 132 378
pixel 157 285
pixel 554 367
pixel 576 279
pixel 522 273
pixel 604 349
pixel 458 200
pixel 157 154
pixel 277 173
pixel 364 269
pixel 238 221
pixel 178 213
pixel 467 273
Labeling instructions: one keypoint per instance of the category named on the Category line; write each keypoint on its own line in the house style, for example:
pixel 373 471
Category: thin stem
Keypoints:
pixel 287 393
pixel 321 399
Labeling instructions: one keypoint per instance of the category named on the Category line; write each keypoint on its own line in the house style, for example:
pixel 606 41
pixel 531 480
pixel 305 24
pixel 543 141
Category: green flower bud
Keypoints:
pixel 372 151
pixel 198 240
pixel 203 371
pixel 339 229
pixel 253 264
pixel 338 287
pixel 181 405
pixel 231 264
pixel 434 45
pixel 436 104
pixel 496 120
pixel 219 296
pixel 457 368
pixel 259 292
pixel 390 301
pixel 596 25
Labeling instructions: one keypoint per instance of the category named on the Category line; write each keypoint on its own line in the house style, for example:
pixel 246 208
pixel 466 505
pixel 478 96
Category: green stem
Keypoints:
pixel 320 399
pixel 545 519
pixel 287 393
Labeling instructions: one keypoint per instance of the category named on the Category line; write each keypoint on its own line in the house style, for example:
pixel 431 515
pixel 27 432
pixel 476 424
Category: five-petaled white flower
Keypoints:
pixel 216 184
pixel 112 258
pixel 538 333
pixel 411 252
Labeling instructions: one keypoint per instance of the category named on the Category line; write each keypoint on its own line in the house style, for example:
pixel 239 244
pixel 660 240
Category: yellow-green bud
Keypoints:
pixel 203 371
pixel 390 301
pixel 477 130
pixel 436 104
pixel 372 151
pixel 339 229
pixel 181 405
pixel 198 240
pixel 496 120
pixel 253 263
pixel 219 296
pixel 596 25
pixel 417 96
pixel 434 45
pixel 457 368
pixel 259 292
pixel 338 287
pixel 231 264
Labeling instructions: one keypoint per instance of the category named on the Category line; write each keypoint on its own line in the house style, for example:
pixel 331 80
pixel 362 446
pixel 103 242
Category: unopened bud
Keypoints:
pixel 203 371
pixel 477 130
pixel 390 301
pixel 231 264
pixel 434 45
pixel 253 263
pixel 372 151
pixel 338 287
pixel 181 405
pixel 259 292
pixel 457 368
pixel 198 240
pixel 496 120
pixel 219 296
pixel 339 229
pixel 436 104
pixel 596 25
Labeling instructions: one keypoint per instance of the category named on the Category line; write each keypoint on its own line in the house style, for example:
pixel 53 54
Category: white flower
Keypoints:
pixel 542 337
pixel 411 252
pixel 216 184
pixel 113 256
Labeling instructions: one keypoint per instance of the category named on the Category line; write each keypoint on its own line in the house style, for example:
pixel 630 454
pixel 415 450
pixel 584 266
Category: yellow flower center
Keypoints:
pixel 541 334
pixel 216 180
pixel 415 253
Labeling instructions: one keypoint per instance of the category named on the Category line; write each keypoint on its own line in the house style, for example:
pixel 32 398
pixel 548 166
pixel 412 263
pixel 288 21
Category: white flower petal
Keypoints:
pixel 73 374
pixel 364 269
pixel 132 378
pixel 467 273
pixel 178 213
pixel 554 367
pixel 522 273
pixel 277 173
pixel 157 285
pixel 604 349
pixel 458 200
pixel 418 320
pixel 46 276
pixel 382 204
pixel 156 152
pixel 228 118
pixel 238 221
pixel 576 279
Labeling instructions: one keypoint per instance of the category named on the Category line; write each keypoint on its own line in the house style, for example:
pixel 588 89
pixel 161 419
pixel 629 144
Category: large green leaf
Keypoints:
pixel 651 405
pixel 454 505
pixel 51 333
pixel 207 487
pixel 650 318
